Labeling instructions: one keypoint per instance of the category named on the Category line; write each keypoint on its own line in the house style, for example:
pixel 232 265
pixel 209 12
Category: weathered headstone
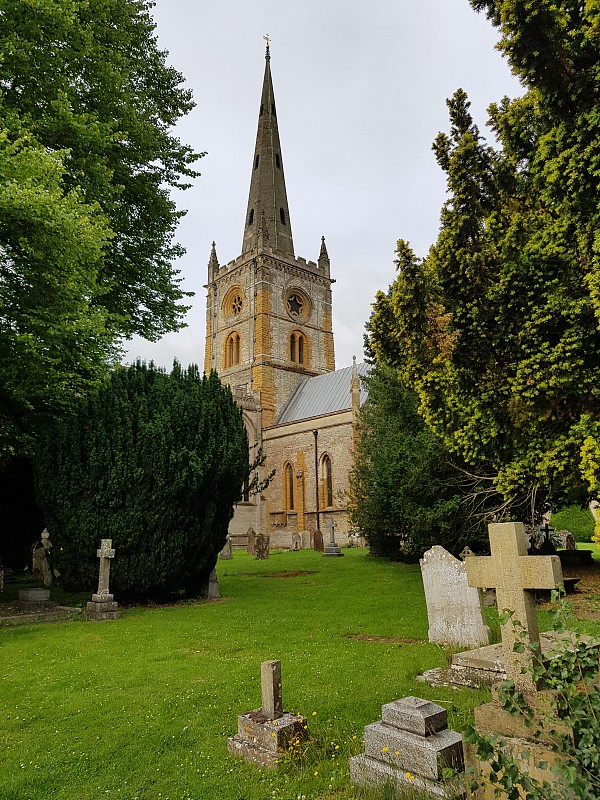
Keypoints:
pixel 453 607
pixel 296 541
pixel 210 587
pixel 410 747
pixel 102 607
pixel 331 549
pixel 227 551
pixel 250 541
pixel 307 540
pixel 261 546
pixel 317 540
pixel 514 575
pixel 265 733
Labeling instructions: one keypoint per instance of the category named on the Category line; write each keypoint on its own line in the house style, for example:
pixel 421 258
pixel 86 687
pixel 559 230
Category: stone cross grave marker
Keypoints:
pixel 332 549
pixel 515 576
pixel 270 681
pixel 105 553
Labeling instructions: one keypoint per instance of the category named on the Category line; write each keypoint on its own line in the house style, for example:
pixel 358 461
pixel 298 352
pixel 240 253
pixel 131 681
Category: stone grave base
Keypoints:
pixel 101 610
pixel 480 667
pixel 261 740
pixel 369 772
pixel 34 599
pixel 492 719
pixel 410 746
pixel 332 550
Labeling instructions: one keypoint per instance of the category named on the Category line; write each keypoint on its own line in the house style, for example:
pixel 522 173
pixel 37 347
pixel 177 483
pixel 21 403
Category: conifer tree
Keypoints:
pixel 503 348
pixel 154 462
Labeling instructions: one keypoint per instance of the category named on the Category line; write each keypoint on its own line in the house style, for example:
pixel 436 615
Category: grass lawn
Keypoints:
pixel 141 708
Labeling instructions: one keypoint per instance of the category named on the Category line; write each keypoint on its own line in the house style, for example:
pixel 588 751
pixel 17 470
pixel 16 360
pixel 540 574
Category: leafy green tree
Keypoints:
pixel 406 495
pixel 503 346
pixel 87 160
pixel 154 462
pixel 54 341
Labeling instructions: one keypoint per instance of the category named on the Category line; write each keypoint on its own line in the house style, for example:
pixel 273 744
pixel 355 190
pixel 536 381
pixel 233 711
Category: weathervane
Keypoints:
pixel 267 39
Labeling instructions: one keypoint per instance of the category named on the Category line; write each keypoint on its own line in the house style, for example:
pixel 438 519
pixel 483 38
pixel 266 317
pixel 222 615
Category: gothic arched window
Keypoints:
pixel 288 477
pixel 232 350
pixel 298 348
pixel 327 481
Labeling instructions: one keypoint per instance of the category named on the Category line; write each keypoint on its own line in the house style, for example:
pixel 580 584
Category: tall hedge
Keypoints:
pixel 155 462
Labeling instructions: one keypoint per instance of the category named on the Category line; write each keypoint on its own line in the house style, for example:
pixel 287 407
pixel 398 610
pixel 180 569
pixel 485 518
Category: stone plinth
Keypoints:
pixel 34 599
pixel 410 746
pixel 102 609
pixel 261 740
pixel 517 736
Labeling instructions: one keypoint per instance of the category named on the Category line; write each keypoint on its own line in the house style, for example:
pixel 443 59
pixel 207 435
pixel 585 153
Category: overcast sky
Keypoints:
pixel 360 90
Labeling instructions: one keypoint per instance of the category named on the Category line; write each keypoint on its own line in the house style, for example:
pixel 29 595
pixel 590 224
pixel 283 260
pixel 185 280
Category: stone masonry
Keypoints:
pixel 265 733
pixel 409 747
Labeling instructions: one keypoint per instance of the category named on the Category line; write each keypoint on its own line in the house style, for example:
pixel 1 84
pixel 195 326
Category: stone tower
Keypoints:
pixel 268 313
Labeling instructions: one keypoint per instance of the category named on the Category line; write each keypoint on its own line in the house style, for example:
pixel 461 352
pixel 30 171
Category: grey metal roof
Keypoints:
pixel 323 394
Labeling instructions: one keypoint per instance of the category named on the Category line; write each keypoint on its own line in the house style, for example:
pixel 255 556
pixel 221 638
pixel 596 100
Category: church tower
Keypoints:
pixel 268 313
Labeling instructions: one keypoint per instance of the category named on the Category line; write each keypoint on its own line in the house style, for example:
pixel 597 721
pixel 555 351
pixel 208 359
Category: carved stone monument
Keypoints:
pixel 453 607
pixel 261 546
pixel 266 732
pixel 103 607
pixel 331 549
pixel 409 747
pixel 515 575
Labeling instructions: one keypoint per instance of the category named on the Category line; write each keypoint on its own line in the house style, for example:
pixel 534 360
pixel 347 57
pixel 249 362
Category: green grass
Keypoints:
pixel 141 708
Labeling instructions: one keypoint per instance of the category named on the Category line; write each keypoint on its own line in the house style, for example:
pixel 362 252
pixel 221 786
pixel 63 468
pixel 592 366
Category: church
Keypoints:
pixel 269 337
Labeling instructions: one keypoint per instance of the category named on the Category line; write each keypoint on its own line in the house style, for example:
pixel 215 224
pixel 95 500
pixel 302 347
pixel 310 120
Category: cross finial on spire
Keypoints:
pixel 267 39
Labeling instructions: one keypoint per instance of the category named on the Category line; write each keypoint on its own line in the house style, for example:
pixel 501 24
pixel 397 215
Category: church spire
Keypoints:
pixel 267 186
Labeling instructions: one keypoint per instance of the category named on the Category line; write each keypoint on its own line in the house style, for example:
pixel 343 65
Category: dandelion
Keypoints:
pixel 314 713
pixel 337 747
pixel 316 772
pixel 410 776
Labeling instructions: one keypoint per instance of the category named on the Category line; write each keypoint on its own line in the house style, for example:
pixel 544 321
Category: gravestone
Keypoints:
pixel 103 607
pixel 515 576
pixel 317 540
pixel 250 541
pixel 410 747
pixel 210 586
pixel 307 540
pixel 265 733
pixel 453 607
pixel 261 546
pixel 332 549
pixel 296 541
pixel 227 551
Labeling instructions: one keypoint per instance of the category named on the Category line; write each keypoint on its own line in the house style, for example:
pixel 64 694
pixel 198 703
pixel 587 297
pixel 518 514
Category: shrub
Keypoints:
pixel 154 462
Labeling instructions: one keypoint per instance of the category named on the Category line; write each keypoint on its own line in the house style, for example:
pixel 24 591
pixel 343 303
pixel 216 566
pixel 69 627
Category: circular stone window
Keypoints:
pixel 234 302
pixel 296 304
